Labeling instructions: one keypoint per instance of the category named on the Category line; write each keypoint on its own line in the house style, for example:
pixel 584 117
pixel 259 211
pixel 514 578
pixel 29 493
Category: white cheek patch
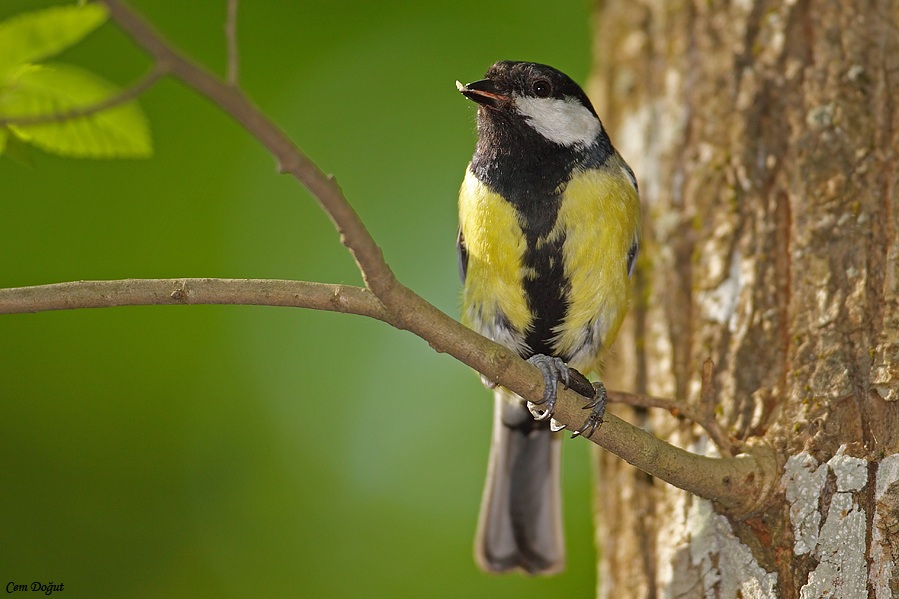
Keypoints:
pixel 566 122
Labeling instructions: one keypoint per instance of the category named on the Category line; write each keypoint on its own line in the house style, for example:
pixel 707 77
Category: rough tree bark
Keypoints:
pixel 765 136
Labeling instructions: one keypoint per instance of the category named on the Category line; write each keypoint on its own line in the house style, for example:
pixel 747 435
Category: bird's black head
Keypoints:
pixel 527 94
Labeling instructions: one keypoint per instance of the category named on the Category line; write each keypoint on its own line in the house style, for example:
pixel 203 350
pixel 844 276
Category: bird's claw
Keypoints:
pixel 556 426
pixel 555 370
pixel 597 407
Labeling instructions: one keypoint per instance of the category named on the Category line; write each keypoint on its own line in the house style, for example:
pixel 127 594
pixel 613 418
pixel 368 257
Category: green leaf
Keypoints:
pixel 34 36
pixel 40 90
pixel 4 134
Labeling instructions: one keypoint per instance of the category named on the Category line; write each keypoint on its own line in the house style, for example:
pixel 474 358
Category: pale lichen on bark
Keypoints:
pixel 840 551
pixel 703 557
pixel 803 480
pixel 837 538
pixel 727 566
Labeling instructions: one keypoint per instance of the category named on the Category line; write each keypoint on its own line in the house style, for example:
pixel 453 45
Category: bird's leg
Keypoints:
pixel 555 370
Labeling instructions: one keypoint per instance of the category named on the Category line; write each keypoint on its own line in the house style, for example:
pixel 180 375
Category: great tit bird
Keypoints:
pixel 549 221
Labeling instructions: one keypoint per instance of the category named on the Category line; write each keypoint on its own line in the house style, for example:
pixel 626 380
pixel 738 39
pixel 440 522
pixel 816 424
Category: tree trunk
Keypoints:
pixel 764 136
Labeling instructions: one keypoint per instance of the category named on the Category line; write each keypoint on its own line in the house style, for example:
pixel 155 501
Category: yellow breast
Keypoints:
pixel 598 219
pixel 600 215
pixel 495 245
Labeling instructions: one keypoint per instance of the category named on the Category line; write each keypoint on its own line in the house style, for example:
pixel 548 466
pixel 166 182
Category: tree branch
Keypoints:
pixel 156 73
pixel 147 292
pixel 740 485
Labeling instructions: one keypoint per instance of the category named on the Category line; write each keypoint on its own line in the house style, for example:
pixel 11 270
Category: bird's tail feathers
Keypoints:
pixel 520 524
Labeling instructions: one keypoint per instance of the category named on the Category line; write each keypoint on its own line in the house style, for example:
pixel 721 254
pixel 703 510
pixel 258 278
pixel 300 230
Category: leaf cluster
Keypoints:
pixel 57 107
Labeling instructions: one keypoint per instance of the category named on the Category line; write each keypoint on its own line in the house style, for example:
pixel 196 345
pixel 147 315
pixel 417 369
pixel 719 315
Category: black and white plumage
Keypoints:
pixel 549 226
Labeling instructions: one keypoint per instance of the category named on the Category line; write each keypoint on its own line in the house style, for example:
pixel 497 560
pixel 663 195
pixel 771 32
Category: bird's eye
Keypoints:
pixel 542 88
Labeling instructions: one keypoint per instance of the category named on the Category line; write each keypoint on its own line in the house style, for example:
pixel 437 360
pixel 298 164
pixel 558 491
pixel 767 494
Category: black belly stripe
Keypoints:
pixel 546 292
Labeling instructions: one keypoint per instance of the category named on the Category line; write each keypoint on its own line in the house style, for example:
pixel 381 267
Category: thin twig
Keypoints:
pixel 146 292
pixel 708 410
pixel 159 70
pixel 704 415
pixel 677 408
pixel 231 40
pixel 353 234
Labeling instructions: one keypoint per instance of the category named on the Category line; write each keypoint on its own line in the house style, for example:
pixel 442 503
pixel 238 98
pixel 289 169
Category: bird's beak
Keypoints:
pixel 483 92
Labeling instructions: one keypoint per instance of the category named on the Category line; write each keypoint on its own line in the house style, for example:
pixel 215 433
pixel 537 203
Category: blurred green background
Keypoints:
pixel 178 451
